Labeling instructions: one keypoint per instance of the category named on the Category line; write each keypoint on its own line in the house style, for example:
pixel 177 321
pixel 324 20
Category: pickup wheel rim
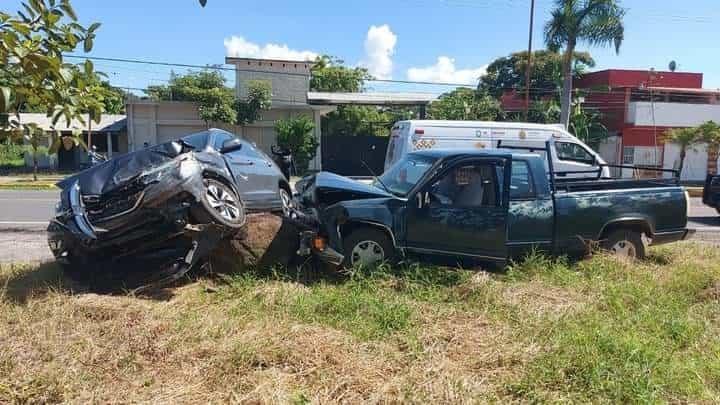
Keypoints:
pixel 624 248
pixel 367 253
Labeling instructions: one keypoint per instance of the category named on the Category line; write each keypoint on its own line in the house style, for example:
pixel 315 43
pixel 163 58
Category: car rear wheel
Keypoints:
pixel 625 244
pixel 221 205
pixel 367 247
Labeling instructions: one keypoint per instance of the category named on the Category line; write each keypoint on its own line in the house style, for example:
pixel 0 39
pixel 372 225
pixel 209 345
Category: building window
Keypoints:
pixel 628 155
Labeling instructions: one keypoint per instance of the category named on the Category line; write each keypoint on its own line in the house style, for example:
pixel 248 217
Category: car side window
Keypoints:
pixel 220 139
pixel 467 186
pixel 197 141
pixel 573 152
pixel 521 182
pixel 249 150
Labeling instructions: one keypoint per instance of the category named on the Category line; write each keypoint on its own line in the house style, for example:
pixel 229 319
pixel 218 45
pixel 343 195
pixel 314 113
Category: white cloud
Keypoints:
pixel 239 47
pixel 445 71
pixel 379 49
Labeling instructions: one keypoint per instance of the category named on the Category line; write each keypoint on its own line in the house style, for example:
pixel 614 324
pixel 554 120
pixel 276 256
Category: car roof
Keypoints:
pixel 489 124
pixel 449 153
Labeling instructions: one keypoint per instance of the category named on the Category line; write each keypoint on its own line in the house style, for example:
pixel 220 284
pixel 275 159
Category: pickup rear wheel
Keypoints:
pixel 626 244
pixel 367 247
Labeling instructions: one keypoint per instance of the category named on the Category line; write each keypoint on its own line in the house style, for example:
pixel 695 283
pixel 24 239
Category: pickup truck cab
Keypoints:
pixel 491 205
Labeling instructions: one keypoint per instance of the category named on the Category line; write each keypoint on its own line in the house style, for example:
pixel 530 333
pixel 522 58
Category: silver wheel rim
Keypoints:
pixel 367 253
pixel 223 202
pixel 286 202
pixel 624 248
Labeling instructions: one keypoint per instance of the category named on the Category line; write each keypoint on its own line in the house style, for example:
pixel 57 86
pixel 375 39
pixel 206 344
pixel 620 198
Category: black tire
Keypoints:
pixel 373 241
pixel 285 200
pixel 230 213
pixel 625 243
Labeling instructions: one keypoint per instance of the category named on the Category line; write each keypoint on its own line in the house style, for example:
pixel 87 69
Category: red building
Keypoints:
pixel 640 106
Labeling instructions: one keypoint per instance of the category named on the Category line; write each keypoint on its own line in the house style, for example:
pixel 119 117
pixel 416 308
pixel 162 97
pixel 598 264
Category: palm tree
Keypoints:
pixel 684 138
pixel 596 22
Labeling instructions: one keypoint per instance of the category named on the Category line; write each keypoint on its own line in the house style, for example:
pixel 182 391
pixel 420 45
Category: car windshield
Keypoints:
pixel 405 174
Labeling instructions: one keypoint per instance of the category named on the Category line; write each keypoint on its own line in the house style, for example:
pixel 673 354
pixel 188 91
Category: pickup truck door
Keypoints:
pixel 462 211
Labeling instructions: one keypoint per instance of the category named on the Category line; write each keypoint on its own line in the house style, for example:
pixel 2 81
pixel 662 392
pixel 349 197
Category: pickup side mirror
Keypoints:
pixel 231 145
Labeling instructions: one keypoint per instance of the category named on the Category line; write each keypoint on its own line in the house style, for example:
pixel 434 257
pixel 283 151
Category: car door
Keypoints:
pixel 462 211
pixel 246 171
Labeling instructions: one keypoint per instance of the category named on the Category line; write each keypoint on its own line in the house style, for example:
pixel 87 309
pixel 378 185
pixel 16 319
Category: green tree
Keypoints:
pixel 32 44
pixel 709 133
pixel 258 100
pixel 508 73
pixel 466 104
pixel 329 74
pixel 216 101
pixel 297 135
pixel 684 138
pixel 596 22
pixel 587 126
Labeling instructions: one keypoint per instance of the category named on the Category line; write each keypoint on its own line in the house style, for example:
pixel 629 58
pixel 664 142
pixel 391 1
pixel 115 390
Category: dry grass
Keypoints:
pixel 544 331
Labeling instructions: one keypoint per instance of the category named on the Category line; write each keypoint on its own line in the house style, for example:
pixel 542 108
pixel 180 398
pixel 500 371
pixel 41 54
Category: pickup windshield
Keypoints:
pixel 404 174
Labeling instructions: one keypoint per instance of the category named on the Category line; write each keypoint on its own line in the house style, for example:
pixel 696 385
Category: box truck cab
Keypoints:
pixel 569 154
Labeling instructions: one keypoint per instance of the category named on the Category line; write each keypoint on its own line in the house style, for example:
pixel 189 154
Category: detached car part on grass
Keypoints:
pixel 162 207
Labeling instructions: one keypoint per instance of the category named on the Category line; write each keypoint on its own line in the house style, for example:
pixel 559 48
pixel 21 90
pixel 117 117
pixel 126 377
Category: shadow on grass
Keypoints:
pixel 25 282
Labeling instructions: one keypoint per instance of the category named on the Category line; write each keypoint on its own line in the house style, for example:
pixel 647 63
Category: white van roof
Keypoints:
pixel 494 124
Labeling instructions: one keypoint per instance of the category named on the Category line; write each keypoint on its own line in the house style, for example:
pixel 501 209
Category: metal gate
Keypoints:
pixel 345 155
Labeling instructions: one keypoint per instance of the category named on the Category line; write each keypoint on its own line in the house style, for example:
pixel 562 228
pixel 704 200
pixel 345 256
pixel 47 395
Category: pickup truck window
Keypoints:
pixel 573 152
pixel 521 184
pixel 469 186
pixel 404 175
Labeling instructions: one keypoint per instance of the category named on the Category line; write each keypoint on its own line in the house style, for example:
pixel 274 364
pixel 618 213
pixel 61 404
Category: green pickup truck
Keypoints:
pixel 492 205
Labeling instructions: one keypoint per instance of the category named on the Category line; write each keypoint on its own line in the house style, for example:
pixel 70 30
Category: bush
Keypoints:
pixel 296 135
pixel 11 154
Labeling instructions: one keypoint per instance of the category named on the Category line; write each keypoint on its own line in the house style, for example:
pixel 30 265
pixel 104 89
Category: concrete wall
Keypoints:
pixel 289 80
pixel 640 113
pixel 158 122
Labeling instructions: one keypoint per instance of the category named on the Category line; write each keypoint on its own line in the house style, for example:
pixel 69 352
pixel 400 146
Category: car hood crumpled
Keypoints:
pixel 109 175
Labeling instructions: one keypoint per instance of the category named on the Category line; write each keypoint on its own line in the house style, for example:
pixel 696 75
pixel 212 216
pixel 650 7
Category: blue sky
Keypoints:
pixel 435 40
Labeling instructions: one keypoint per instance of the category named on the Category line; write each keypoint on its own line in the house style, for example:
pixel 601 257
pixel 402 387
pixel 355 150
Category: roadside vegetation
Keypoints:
pixel 600 330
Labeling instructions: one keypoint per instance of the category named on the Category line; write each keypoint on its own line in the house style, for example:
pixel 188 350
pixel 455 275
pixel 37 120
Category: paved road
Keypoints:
pixel 28 210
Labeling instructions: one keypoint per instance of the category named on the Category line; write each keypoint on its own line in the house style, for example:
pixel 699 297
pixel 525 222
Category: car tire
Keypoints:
pixel 367 247
pixel 625 243
pixel 286 201
pixel 220 204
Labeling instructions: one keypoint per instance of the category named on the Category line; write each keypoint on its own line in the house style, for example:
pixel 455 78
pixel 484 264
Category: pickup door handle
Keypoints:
pixel 244 163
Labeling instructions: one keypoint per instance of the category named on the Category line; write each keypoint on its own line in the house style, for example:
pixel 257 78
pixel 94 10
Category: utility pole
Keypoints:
pixel 529 61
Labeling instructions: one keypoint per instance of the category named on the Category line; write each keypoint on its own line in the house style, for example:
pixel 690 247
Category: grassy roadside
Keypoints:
pixel 29 185
pixel 544 330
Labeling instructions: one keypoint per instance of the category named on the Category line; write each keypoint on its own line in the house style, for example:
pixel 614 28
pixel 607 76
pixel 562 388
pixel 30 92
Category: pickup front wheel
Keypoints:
pixel 367 247
pixel 626 244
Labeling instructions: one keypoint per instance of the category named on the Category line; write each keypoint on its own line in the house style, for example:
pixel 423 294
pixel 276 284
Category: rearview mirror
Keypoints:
pixel 231 145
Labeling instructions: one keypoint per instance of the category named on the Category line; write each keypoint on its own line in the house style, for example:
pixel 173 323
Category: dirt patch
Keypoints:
pixel 711 293
pixel 543 299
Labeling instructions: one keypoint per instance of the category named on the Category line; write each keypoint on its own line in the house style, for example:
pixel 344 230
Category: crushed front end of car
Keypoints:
pixel 142 208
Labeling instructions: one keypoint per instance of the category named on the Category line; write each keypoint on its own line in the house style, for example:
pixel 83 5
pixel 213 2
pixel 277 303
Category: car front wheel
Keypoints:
pixel 367 247
pixel 286 201
pixel 221 205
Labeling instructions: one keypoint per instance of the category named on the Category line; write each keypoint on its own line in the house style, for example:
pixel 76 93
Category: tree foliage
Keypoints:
pixel 508 73
pixel 329 74
pixel 258 100
pixel 708 133
pixel 217 101
pixel 32 44
pixel 206 88
pixel 297 135
pixel 595 22
pixel 466 104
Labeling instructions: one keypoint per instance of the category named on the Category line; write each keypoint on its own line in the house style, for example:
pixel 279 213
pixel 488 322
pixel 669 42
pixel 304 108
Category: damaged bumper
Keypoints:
pixel 145 217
